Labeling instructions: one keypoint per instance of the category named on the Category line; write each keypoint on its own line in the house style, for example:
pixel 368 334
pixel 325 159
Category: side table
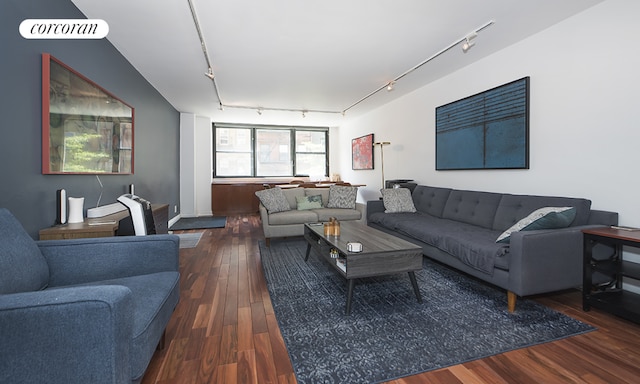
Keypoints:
pixel 604 269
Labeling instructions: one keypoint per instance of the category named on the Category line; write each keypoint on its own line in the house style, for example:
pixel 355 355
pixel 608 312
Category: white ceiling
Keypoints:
pixel 310 55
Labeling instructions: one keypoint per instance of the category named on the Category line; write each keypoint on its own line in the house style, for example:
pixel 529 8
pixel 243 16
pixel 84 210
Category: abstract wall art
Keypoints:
pixel 489 130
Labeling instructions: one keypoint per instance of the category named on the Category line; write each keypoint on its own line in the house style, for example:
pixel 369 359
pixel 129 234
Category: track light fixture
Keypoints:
pixel 390 86
pixel 209 73
pixel 468 42
pixel 259 111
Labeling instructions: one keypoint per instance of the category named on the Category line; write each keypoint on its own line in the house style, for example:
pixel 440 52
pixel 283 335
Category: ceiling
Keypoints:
pixel 310 55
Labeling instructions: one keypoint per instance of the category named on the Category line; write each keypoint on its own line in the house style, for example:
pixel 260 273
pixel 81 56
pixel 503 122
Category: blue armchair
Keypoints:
pixel 83 311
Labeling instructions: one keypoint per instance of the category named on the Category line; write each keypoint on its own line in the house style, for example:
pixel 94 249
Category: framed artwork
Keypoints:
pixel 362 152
pixel 489 130
pixel 85 129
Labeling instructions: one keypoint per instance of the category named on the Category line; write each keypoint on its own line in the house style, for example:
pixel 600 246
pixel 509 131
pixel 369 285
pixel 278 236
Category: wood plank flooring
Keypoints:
pixel 224 329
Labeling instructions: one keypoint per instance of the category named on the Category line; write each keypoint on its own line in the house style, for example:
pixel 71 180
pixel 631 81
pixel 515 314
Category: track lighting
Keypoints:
pixel 390 86
pixel 259 111
pixel 209 73
pixel 468 42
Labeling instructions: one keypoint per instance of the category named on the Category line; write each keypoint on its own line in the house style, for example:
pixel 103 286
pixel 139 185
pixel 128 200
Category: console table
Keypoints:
pixel 603 271
pixel 105 226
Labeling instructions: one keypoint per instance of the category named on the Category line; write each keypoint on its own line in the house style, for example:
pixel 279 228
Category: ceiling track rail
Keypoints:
pixel 203 45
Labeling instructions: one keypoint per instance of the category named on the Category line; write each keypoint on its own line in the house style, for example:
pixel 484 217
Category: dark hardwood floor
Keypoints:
pixel 224 329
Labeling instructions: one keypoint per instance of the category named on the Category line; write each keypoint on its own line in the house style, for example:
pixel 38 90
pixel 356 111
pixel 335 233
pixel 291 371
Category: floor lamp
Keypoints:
pixel 382 144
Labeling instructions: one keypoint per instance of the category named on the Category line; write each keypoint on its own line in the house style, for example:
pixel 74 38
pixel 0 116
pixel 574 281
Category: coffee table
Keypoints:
pixel 382 254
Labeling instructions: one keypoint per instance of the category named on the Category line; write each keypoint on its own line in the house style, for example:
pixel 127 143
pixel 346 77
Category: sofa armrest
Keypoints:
pixel 603 217
pixel 546 260
pixel 85 260
pixel 69 335
pixel 374 206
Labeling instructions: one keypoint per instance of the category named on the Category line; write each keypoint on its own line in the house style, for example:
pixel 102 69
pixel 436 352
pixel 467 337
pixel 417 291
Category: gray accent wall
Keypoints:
pixel 24 190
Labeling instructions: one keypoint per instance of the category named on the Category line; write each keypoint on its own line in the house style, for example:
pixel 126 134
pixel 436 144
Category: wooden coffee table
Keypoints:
pixel 382 253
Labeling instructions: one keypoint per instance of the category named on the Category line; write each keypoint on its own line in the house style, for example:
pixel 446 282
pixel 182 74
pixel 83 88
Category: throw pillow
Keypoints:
pixel 309 202
pixel 274 200
pixel 397 200
pixel 341 196
pixel 543 218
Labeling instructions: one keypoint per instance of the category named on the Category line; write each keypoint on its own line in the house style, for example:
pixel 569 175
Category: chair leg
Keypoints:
pixel 511 301
pixel 161 343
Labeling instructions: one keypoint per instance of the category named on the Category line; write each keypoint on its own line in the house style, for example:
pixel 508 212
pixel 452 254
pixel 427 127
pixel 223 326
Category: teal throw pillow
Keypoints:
pixel 309 202
pixel 543 218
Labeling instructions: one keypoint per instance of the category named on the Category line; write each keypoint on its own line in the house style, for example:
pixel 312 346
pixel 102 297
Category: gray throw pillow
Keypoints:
pixel 543 218
pixel 341 196
pixel 397 200
pixel 273 200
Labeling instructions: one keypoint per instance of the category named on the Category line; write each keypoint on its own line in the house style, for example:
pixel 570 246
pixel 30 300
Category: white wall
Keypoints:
pixel 584 127
pixel 195 165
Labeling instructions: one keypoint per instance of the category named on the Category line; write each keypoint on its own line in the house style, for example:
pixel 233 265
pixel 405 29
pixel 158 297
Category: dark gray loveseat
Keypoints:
pixel 459 228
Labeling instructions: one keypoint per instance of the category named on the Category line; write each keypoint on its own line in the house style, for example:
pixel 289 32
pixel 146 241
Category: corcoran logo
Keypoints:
pixel 64 29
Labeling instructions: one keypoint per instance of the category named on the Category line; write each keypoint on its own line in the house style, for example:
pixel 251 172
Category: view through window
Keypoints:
pixel 270 151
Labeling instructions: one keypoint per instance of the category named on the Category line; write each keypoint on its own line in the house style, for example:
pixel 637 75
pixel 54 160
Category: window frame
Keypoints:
pixel 293 152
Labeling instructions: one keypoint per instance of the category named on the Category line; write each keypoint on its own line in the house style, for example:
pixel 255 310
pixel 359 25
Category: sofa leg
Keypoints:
pixel 511 301
pixel 267 241
pixel 160 346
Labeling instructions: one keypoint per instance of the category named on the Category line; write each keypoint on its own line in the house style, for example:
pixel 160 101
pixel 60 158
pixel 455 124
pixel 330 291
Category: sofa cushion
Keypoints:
pixel 309 202
pixel 154 298
pixel 397 200
pixel 430 200
pixel 324 192
pixel 293 217
pixel 472 207
pixel 292 194
pixel 471 244
pixel 273 200
pixel 339 213
pixel 22 266
pixel 543 218
pixel 513 208
pixel 341 196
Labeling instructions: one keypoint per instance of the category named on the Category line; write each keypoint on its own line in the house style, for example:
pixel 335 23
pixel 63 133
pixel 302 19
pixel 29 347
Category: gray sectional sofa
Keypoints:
pixel 459 228
pixel 289 221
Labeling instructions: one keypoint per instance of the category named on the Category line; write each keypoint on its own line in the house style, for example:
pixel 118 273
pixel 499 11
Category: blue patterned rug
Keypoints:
pixel 389 334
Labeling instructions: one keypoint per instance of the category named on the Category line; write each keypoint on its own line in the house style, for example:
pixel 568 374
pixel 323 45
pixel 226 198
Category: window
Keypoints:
pixel 268 151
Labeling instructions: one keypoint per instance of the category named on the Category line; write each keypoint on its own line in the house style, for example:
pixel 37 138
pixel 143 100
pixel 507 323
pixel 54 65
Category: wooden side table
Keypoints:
pixel 604 270
pixel 105 226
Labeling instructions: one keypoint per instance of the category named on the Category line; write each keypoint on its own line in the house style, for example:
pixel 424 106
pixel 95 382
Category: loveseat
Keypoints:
pixel 84 310
pixel 461 229
pixel 283 211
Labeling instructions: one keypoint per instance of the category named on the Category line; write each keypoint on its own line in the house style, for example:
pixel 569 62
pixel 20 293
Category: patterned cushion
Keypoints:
pixel 543 218
pixel 309 202
pixel 397 200
pixel 341 196
pixel 274 200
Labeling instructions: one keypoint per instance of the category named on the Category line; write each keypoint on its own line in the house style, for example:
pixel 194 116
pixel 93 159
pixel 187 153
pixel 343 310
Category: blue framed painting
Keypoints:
pixel 489 130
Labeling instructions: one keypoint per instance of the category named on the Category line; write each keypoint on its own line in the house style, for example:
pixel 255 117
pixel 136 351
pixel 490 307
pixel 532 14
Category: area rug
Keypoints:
pixel 202 222
pixel 389 334
pixel 189 240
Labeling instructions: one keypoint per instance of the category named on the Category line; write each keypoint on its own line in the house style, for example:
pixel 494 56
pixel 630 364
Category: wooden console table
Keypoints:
pixel 105 226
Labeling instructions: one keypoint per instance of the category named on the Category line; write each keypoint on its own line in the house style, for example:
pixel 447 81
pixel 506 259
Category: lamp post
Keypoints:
pixel 382 144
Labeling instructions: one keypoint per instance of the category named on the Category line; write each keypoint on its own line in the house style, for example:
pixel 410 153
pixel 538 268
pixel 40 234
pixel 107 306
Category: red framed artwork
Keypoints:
pixel 362 152
pixel 85 128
